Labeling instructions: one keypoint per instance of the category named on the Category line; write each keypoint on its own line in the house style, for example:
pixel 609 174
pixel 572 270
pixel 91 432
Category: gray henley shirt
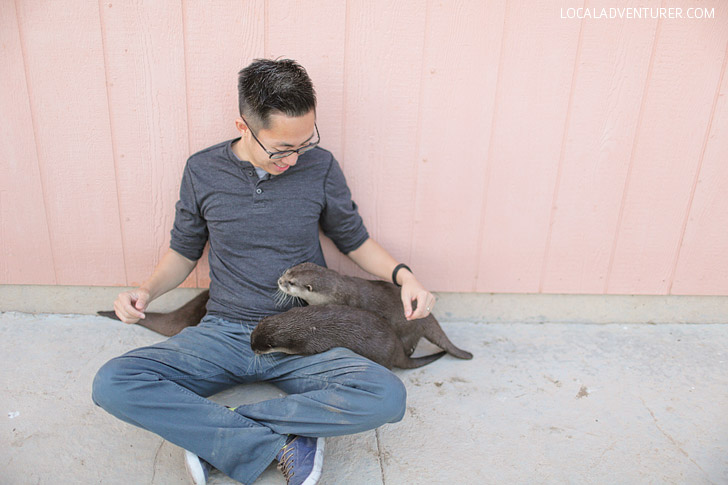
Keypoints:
pixel 259 227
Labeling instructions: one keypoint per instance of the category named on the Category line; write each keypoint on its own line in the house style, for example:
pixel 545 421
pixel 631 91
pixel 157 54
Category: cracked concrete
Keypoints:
pixel 539 403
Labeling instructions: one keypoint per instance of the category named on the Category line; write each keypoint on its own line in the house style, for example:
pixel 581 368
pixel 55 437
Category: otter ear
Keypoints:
pixel 309 287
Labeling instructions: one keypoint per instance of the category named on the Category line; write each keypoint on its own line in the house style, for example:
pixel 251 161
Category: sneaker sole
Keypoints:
pixel 194 469
pixel 318 464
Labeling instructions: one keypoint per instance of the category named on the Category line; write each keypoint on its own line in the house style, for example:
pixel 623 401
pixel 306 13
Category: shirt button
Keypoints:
pixel 259 191
pixel 250 173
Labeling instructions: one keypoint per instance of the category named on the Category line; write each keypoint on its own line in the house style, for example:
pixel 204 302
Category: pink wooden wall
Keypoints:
pixel 493 145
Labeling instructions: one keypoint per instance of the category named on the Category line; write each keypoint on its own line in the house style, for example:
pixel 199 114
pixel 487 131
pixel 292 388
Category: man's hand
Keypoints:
pixel 169 273
pixel 130 305
pixel 374 259
pixel 412 290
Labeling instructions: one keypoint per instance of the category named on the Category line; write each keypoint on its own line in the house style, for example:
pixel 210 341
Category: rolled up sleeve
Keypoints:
pixel 189 233
pixel 340 219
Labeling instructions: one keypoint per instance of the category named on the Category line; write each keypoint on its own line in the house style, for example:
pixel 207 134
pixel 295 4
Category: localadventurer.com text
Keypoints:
pixel 637 13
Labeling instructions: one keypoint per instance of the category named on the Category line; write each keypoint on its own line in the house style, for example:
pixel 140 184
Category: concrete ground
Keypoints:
pixel 539 403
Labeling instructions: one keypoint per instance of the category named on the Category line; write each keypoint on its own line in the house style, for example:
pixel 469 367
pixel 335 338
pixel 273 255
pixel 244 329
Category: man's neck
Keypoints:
pixel 239 150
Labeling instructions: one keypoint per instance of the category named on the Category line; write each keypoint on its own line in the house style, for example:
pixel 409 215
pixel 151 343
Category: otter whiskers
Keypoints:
pixel 283 299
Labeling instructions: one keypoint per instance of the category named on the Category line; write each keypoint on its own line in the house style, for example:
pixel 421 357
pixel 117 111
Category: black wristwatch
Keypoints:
pixel 396 269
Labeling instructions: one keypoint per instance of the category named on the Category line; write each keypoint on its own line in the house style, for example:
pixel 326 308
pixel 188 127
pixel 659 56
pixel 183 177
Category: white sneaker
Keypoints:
pixel 197 468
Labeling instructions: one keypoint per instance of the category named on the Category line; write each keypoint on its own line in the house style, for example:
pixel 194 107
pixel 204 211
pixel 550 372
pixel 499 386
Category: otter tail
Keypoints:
pixel 172 323
pixel 435 334
pixel 108 315
pixel 413 363
pixel 163 323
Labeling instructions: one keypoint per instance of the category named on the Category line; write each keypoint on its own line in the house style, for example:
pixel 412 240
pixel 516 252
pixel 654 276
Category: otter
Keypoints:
pixel 315 329
pixel 320 286
pixel 172 323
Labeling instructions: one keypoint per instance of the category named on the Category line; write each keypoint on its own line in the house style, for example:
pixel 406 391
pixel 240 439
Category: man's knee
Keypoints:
pixel 113 382
pixel 387 397
pixel 395 399
pixel 103 387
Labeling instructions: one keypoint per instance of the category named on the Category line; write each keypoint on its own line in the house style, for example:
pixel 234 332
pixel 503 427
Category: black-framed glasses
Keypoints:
pixel 286 153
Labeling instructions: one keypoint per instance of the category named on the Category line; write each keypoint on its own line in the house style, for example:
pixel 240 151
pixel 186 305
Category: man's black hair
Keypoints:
pixel 268 85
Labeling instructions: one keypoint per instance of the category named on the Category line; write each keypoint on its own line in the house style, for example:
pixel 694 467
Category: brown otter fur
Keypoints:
pixel 315 329
pixel 318 285
pixel 174 322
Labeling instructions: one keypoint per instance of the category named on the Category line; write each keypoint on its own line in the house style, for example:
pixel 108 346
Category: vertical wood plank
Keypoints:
pixel 148 108
pixel 460 71
pixel 25 248
pixel 313 33
pixel 611 75
pixel 677 108
pixel 534 84
pixel 384 49
pixel 68 99
pixel 703 265
pixel 221 38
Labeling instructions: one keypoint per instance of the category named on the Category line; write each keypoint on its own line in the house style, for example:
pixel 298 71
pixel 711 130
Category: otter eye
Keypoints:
pixel 309 287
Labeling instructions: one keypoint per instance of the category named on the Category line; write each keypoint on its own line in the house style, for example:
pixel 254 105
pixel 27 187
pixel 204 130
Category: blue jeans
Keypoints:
pixel 163 388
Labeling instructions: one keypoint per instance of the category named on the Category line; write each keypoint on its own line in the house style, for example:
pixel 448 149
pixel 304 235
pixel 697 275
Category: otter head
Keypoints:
pixel 310 282
pixel 267 337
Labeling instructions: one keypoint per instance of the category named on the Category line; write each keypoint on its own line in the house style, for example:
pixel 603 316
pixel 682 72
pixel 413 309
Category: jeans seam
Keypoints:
pixel 325 380
pixel 184 377
pixel 245 420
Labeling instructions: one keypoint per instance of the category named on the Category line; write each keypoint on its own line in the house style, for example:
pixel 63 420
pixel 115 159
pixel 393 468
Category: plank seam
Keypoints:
pixel 345 82
pixel 35 143
pixel 488 160
pixel 418 132
pixel 187 102
pixel 113 146
pixel 344 97
pixel 630 166
pixel 559 169
pixel 706 138
pixel 266 24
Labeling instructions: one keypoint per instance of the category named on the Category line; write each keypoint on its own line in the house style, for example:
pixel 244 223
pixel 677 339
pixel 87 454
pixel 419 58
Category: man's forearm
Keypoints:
pixel 171 271
pixel 374 259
